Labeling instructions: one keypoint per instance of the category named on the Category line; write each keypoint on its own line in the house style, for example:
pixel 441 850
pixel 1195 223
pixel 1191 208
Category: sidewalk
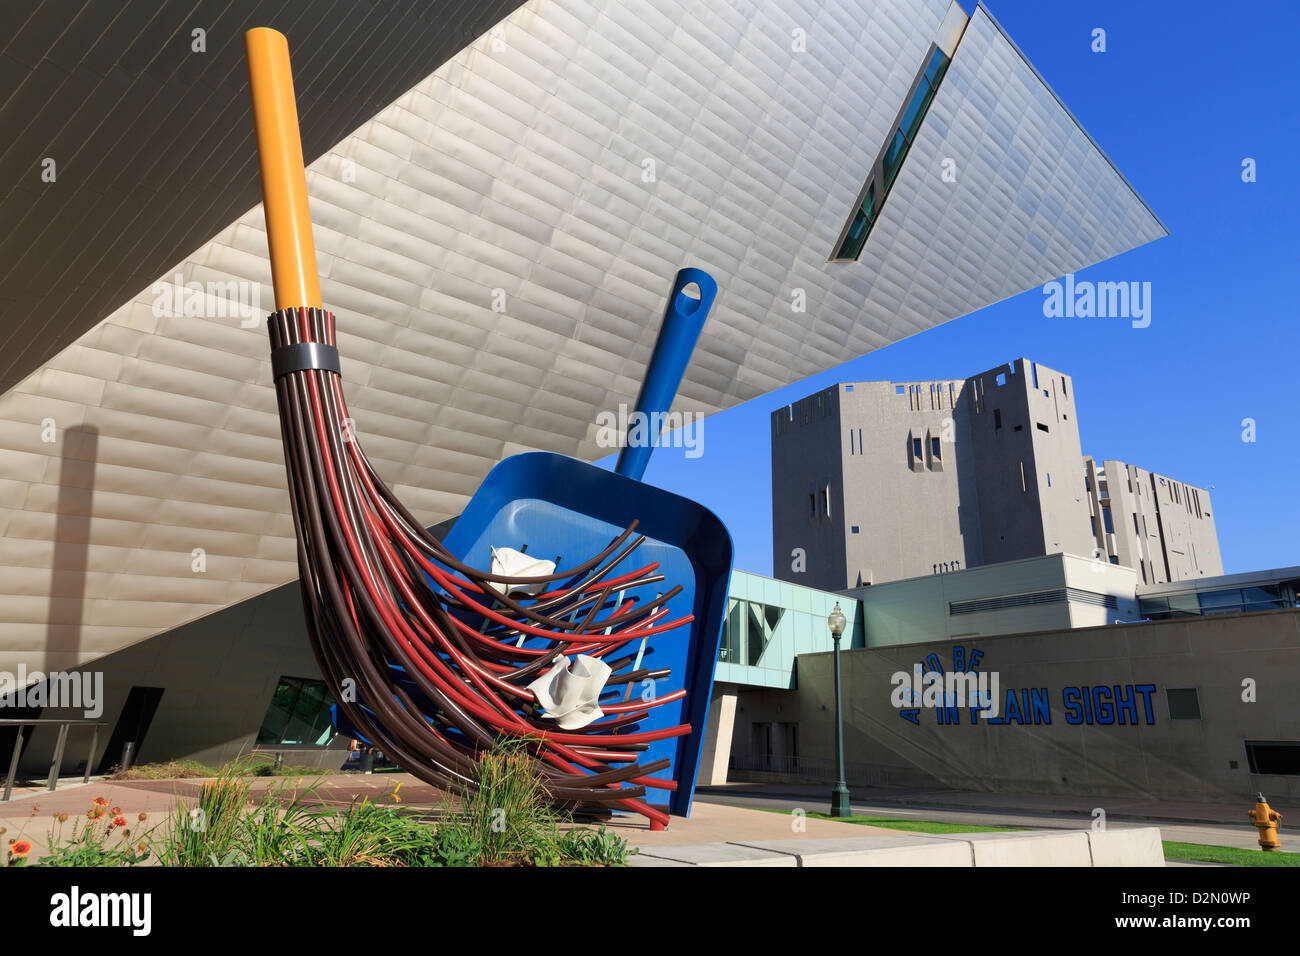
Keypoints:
pixel 1117 808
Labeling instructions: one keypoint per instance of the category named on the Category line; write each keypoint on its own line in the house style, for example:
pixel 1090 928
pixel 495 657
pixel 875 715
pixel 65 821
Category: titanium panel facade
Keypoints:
pixel 497 256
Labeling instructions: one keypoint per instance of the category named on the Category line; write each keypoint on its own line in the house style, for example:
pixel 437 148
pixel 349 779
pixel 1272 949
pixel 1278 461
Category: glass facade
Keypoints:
pixel 299 714
pixel 770 622
pixel 887 168
pixel 1221 601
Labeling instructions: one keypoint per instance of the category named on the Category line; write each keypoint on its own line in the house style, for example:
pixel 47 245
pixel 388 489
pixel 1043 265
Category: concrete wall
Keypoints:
pixel 1183 759
pixel 908 480
pixel 808 523
pixel 1161 526
pixel 1027 458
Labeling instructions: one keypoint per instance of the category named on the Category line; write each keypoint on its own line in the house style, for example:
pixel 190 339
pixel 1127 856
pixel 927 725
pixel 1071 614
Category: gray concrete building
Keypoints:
pixel 882 481
pixel 1157 525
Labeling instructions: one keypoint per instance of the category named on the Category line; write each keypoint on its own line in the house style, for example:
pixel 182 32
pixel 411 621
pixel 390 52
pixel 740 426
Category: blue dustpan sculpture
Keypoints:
pixel 554 506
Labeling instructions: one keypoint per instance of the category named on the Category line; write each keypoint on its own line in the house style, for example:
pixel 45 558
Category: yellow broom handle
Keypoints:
pixel 284 182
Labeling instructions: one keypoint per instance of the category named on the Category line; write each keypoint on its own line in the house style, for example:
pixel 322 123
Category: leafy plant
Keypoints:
pixel 102 837
pixel 598 847
pixel 506 820
pixel 210 828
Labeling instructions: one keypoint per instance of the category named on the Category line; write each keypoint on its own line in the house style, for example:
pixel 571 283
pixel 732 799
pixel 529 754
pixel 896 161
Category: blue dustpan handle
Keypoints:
pixel 683 319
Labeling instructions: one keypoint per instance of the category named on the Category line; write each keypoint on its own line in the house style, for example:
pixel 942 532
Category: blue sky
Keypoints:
pixel 1184 92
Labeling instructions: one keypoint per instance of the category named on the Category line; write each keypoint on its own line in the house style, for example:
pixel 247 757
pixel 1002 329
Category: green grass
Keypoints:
pixel 1227 854
pixel 912 826
pixel 192 769
pixel 1200 852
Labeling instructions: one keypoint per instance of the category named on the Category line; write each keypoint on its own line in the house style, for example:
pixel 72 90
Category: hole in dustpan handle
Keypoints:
pixel 684 318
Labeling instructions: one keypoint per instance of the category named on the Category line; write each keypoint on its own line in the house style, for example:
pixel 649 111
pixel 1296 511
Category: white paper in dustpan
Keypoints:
pixel 514 563
pixel 569 694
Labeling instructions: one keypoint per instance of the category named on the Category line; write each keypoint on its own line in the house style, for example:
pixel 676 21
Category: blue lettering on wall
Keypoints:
pixel 1101 705
pixel 1146 690
pixel 1073 713
pixel 1126 704
pixel 1038 704
pixel 1011 709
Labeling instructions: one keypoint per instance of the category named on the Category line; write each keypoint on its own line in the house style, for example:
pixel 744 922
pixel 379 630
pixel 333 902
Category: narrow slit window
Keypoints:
pixel 890 162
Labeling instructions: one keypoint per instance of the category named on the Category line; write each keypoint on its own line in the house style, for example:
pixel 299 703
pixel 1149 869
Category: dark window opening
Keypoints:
pixel 1278 757
pixel 1041 427
pixel 1184 703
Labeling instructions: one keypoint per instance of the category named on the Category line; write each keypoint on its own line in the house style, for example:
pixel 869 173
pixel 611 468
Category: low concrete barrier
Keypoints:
pixel 1138 846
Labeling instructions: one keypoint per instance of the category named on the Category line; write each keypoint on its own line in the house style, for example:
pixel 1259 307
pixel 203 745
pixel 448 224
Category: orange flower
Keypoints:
pixel 101 802
pixel 119 821
pixel 143 817
pixel 117 811
pixel 21 848
pixel 63 818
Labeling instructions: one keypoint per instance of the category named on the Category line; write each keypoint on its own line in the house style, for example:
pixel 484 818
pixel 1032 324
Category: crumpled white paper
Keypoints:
pixel 568 692
pixel 517 564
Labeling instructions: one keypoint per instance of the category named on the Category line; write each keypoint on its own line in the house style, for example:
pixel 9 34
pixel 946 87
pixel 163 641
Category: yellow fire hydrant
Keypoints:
pixel 1266 819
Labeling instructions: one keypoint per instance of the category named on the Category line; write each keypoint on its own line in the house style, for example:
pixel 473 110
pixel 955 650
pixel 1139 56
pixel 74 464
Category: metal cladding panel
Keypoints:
pixel 497 255
pixel 142 106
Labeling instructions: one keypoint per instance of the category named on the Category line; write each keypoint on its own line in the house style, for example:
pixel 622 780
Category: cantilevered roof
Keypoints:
pixel 497 243
pixel 150 135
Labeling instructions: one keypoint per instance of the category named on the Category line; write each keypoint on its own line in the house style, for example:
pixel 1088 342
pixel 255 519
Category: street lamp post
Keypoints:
pixel 840 794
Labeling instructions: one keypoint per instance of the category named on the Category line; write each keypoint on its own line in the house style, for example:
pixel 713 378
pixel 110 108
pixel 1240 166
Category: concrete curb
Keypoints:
pixel 1139 846
pixel 1233 819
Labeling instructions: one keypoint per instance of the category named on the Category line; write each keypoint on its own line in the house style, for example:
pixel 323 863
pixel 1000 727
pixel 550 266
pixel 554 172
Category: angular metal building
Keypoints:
pixel 501 196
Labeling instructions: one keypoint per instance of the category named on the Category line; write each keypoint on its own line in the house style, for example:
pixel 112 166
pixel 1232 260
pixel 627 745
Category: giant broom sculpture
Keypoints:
pixel 432 660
